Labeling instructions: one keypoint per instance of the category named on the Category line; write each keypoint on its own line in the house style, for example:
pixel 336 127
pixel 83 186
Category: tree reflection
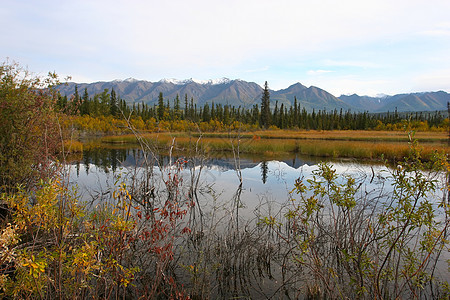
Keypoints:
pixel 264 171
pixel 105 158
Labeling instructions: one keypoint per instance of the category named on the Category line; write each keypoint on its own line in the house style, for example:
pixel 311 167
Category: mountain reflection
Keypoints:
pixel 110 159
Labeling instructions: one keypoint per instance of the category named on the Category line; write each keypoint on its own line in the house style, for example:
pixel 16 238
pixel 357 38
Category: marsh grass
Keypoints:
pixel 370 145
pixel 72 146
pixel 354 149
pixel 346 135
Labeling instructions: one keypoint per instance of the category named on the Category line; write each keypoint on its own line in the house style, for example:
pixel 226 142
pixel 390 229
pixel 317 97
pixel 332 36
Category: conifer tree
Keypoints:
pixel 255 114
pixel 213 111
pixel 296 112
pixel 84 108
pixel 76 102
pixel 160 106
pixel 275 116
pixel 265 119
pixel 191 114
pixel 113 103
pixel 62 103
pixel 186 106
pixel 226 115
pixel 95 107
pixel 206 116
pixel 282 117
pixel 104 103
pixel 176 108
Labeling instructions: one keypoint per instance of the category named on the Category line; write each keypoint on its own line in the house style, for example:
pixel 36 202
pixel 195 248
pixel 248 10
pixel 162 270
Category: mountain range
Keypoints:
pixel 246 94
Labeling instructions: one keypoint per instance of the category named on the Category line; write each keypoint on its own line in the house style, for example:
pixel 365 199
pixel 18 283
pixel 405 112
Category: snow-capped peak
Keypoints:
pixel 171 80
pixel 222 80
pixel 381 95
pixel 186 81
pixel 130 79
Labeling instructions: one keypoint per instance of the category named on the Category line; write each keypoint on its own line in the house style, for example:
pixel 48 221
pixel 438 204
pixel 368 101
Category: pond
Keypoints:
pixel 233 200
pixel 98 169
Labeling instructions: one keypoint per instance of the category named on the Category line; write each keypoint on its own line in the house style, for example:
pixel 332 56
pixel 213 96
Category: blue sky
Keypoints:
pixel 344 47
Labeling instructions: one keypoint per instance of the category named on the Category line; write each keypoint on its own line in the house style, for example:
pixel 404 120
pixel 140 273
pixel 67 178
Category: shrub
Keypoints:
pixel 28 127
pixel 347 241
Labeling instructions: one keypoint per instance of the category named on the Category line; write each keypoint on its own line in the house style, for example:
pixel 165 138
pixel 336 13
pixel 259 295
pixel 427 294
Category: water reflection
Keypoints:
pixel 264 171
pixel 111 159
pixel 105 159
pixel 257 182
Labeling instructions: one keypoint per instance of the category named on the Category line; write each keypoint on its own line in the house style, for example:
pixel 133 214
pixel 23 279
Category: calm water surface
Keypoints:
pixel 262 180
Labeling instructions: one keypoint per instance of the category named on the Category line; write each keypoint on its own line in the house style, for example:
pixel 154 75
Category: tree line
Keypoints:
pixel 265 115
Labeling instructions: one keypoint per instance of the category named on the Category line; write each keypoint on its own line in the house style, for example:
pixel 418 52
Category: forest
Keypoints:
pixel 181 115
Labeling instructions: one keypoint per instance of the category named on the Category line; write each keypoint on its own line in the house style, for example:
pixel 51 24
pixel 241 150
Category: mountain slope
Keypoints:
pixel 234 92
pixel 309 98
pixel 428 101
pixel 363 103
pixel 418 102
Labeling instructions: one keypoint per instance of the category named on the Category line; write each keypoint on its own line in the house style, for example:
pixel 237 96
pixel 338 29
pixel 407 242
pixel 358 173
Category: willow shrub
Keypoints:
pixel 54 248
pixel 29 133
pixel 349 241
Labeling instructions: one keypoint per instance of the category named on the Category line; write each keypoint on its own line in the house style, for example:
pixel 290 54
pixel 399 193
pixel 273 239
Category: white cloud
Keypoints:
pixel 262 69
pixel 351 63
pixel 352 84
pixel 438 30
pixel 318 72
pixel 433 81
pixel 249 39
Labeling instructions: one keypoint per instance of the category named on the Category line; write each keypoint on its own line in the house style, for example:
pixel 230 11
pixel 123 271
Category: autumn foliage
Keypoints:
pixel 29 134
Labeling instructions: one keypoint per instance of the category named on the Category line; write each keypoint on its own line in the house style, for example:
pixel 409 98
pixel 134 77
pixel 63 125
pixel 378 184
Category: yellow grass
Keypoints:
pixel 335 144
pixel 351 135
pixel 71 146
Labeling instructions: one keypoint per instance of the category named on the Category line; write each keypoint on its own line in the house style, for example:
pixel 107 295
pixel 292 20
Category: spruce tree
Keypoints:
pixel 226 115
pixel 191 114
pixel 186 106
pixel 255 114
pixel 84 109
pixel 76 102
pixel 275 116
pixel 213 111
pixel 176 108
pixel 160 106
pixel 296 112
pixel 104 103
pixel 206 116
pixel 265 118
pixel 113 103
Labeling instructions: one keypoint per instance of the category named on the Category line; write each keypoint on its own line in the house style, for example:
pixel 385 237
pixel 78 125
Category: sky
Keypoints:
pixel 344 47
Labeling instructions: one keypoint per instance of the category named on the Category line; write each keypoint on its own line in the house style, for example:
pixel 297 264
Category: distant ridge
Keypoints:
pixel 427 101
pixel 242 93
